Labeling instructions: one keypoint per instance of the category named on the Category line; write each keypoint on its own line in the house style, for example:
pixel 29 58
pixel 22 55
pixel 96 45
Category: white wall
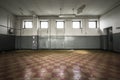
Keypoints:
pixel 111 19
pixel 6 21
pixel 67 31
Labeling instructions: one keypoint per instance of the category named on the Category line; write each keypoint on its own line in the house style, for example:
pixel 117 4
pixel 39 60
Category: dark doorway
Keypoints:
pixel 109 38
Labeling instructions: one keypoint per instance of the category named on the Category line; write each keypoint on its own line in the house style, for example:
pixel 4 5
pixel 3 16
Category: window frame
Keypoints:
pixel 47 26
pixel 63 24
pixel 24 24
pixel 80 25
pixel 95 24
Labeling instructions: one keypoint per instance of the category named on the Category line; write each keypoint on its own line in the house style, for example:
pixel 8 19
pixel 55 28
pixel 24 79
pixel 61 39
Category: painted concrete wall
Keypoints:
pixel 52 38
pixel 7 40
pixel 112 19
pixel 68 30
pixel 6 21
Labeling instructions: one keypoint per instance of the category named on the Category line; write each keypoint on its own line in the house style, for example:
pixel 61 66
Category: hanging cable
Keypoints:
pixel 60 10
pixel 73 10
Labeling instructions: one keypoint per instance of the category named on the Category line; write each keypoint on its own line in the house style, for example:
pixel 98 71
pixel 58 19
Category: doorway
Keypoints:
pixel 109 38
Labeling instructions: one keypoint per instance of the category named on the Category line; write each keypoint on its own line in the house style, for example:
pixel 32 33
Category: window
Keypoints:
pixel 28 24
pixel 44 24
pixel 76 24
pixel 60 24
pixel 93 24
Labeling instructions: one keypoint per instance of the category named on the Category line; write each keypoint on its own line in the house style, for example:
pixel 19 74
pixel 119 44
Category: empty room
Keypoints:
pixel 59 39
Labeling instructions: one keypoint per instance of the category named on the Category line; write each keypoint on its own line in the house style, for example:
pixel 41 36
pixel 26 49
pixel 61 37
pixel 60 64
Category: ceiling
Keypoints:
pixel 52 7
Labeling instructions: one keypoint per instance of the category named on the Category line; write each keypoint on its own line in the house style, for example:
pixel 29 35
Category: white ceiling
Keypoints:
pixel 52 7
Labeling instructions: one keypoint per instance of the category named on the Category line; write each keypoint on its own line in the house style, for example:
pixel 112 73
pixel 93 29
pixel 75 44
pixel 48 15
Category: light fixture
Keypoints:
pixel 21 11
pixel 67 15
pixel 80 9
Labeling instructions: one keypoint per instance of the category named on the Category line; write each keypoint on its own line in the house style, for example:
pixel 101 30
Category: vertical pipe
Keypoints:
pixel 39 32
pixel 50 34
pixel 7 23
pixel 47 36
pixel 33 38
pixel 21 33
pixel 56 37
pixel 37 35
pixel 64 36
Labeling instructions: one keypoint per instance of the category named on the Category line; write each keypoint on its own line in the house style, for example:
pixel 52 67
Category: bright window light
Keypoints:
pixel 60 24
pixel 76 24
pixel 93 24
pixel 44 24
pixel 27 24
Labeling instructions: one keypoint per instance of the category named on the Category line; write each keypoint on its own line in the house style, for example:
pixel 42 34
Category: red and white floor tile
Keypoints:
pixel 60 65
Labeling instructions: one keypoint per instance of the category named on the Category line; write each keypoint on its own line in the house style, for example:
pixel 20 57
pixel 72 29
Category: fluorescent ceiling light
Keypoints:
pixel 67 15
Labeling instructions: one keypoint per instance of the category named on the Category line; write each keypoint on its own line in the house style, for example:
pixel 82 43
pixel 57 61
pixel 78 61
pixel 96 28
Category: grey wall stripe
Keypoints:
pixel 10 42
pixel 67 42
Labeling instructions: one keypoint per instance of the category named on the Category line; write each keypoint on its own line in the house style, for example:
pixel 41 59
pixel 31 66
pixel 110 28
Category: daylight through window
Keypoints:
pixel 27 24
pixel 44 24
pixel 76 24
pixel 60 24
pixel 93 24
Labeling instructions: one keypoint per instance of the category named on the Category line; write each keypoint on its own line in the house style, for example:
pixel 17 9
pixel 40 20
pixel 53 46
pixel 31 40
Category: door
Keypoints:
pixel 109 39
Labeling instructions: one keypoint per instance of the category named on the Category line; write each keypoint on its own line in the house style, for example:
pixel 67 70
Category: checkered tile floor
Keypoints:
pixel 60 65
